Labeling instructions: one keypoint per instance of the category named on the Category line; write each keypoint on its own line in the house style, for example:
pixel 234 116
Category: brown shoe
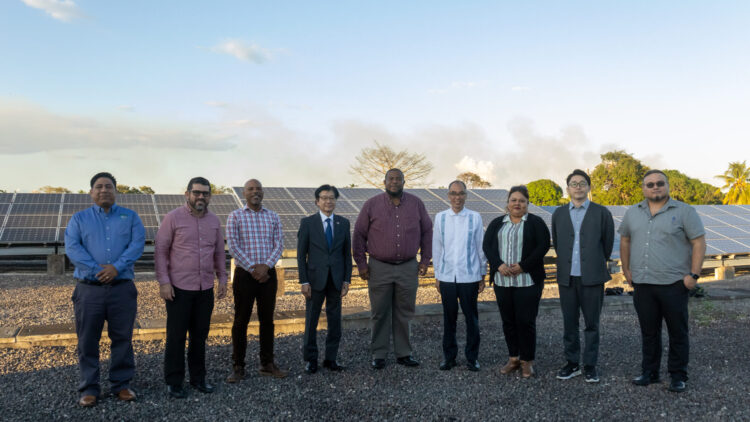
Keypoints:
pixel 87 401
pixel 237 375
pixel 512 365
pixel 527 368
pixel 271 370
pixel 126 394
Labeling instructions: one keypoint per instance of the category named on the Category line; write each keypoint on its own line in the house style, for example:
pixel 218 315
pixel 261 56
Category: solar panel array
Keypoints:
pixel 42 218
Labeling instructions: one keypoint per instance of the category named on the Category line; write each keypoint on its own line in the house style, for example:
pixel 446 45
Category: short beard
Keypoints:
pixel 396 194
pixel 658 198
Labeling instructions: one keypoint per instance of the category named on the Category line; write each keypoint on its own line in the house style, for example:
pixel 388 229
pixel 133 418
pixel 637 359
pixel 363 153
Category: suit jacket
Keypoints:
pixel 315 261
pixel 535 246
pixel 596 239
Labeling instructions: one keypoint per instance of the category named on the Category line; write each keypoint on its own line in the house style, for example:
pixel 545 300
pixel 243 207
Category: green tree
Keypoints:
pixel 53 189
pixel 617 179
pixel 544 192
pixel 692 191
pixel 473 180
pixel 737 181
pixel 146 190
pixel 220 189
pixel 128 189
pixel 372 163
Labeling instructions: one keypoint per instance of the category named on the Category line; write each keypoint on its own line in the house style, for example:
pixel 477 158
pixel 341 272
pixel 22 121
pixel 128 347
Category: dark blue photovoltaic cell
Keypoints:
pixel 360 194
pixel 481 206
pixel 290 239
pixel 283 207
pixel 35 208
pixel 29 235
pixel 32 221
pixel 77 198
pixel 224 199
pixel 731 232
pixel 3 210
pixel 136 198
pixel 38 198
pixel 492 195
pixel 732 220
pixel 5 197
pixel 275 193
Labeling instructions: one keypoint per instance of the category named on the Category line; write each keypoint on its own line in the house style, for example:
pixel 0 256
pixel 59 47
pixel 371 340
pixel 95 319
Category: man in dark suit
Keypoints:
pixel 324 259
pixel 583 234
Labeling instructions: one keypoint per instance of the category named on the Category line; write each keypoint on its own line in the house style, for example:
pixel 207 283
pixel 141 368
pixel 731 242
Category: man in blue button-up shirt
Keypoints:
pixel 103 242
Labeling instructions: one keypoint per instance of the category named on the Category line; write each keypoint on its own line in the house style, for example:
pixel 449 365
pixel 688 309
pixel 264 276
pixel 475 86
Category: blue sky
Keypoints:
pixel 289 92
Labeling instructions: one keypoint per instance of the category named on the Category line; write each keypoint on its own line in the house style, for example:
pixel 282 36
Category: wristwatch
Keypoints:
pixel 695 276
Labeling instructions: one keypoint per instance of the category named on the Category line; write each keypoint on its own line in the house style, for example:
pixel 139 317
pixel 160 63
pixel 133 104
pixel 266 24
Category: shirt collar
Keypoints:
pixel 507 217
pixel 247 208
pixel 114 207
pixel 669 204
pixel 462 213
pixel 323 217
pixel 585 204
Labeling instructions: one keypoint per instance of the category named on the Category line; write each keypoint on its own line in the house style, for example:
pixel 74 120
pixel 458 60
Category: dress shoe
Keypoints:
pixel 472 365
pixel 271 370
pixel 378 363
pixel 407 361
pixel 203 387
pixel 311 367
pixel 237 375
pixel 677 386
pixel 646 378
pixel 513 365
pixel 447 365
pixel 332 365
pixel 176 391
pixel 126 394
pixel 87 401
pixel 527 368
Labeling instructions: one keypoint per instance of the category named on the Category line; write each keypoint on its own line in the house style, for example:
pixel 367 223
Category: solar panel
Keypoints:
pixel 549 208
pixel 224 199
pixel 135 198
pixel 617 210
pixel 491 195
pixel 732 220
pixel 731 232
pixel 303 193
pixel 710 221
pixel 143 208
pixel 29 235
pixel 728 246
pixel 65 219
pixel 35 208
pixel 712 234
pixel 223 219
pixel 290 222
pixel 169 199
pixel 74 208
pixel 5 197
pixel 151 233
pixel 3 209
pixel 238 190
pixel 289 239
pixel 488 217
pixel 149 219
pixel 77 198
pixel 32 221
pixel 708 210
pixel 434 207
pixel 163 209
pixel 362 194
pixel 283 207
pixel 423 194
pixel 275 193
pixel 38 198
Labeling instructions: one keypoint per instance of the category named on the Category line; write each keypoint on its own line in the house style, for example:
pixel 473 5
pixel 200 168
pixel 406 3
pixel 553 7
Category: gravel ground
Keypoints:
pixel 39 383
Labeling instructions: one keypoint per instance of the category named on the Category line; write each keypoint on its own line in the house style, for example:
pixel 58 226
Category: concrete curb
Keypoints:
pixel 293 322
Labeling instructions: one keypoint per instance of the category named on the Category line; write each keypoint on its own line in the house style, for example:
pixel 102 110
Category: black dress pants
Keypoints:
pixel 575 299
pixel 313 306
pixel 189 312
pixel 654 302
pixel 519 307
pixel 248 291
pixel 452 295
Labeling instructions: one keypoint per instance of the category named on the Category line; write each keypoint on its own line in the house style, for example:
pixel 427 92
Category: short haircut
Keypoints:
pixel 578 172
pixel 394 169
pixel 199 180
pixel 656 171
pixel 103 174
pixel 323 188
pixel 519 188
pixel 456 181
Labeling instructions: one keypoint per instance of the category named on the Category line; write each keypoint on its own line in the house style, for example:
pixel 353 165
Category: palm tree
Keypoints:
pixel 737 179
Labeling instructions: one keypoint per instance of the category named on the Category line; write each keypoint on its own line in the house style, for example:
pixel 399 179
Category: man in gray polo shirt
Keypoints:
pixel 662 247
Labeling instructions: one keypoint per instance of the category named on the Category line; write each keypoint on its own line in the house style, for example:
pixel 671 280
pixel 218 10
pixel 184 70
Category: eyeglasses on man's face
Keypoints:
pixel 462 193
pixel 581 184
pixel 199 193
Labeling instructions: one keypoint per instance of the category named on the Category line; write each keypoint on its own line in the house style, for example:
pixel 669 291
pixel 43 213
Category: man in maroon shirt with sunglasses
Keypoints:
pixel 392 227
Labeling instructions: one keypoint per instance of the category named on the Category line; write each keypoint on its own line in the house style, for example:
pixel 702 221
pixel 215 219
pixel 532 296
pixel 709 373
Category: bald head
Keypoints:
pixel 253 193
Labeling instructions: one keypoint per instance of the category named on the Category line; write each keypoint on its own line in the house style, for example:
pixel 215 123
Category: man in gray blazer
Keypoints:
pixel 583 234
pixel 324 259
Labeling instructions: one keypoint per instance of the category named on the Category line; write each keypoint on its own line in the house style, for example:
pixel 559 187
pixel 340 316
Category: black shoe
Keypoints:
pixel 378 363
pixel 677 386
pixel 407 361
pixel 569 371
pixel 332 365
pixel 590 374
pixel 176 391
pixel 472 366
pixel 446 365
pixel 203 387
pixel 647 378
pixel 311 367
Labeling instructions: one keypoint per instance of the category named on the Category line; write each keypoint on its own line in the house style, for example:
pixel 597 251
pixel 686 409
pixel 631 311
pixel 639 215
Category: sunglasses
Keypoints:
pixel 659 184
pixel 201 193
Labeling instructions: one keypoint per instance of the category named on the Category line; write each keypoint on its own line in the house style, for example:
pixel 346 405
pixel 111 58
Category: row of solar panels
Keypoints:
pixel 42 218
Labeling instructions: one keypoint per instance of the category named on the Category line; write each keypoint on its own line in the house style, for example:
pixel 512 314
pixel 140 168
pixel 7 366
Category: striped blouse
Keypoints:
pixel 510 245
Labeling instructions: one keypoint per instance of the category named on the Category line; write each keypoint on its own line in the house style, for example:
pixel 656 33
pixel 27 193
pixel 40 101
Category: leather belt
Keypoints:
pixel 99 283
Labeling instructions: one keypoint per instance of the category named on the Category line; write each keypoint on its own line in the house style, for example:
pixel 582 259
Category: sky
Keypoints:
pixel 289 92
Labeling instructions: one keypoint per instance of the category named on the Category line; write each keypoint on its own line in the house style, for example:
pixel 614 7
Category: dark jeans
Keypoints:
pixel 519 307
pixel 93 305
pixel 466 294
pixel 668 302
pixel 248 291
pixel 189 311
pixel 332 298
pixel 574 300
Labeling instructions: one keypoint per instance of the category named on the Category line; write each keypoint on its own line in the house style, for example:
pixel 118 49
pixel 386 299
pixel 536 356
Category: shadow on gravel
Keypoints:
pixel 40 383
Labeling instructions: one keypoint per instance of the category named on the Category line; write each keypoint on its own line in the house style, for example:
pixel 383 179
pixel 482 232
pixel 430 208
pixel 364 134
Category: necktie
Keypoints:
pixel 329 233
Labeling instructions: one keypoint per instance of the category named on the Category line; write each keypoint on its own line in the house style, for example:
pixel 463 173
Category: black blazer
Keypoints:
pixel 597 238
pixel 315 261
pixel 535 245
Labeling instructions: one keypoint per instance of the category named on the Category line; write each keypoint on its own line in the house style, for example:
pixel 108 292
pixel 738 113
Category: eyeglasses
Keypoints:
pixel 327 198
pixel 578 185
pixel 203 193
pixel 651 185
pixel 457 193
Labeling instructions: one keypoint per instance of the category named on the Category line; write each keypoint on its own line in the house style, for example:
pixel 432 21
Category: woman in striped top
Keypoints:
pixel 515 245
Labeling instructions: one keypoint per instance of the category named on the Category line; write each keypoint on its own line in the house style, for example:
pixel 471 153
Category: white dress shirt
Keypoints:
pixel 457 246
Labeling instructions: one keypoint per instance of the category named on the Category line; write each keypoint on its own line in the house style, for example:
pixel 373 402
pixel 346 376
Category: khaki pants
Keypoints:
pixel 393 295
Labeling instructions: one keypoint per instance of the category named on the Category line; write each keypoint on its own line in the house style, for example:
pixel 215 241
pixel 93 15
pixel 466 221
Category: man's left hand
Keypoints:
pixel 221 292
pixel 422 269
pixel 108 273
pixel 344 289
pixel 260 272
pixel 689 282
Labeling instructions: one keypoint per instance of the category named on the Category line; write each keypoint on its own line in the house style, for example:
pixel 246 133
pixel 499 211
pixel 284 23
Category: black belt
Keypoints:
pixel 396 262
pixel 99 283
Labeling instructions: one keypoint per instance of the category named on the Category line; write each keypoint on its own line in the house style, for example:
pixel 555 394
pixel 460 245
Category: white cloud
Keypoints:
pixel 63 10
pixel 457 86
pixel 485 169
pixel 243 50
